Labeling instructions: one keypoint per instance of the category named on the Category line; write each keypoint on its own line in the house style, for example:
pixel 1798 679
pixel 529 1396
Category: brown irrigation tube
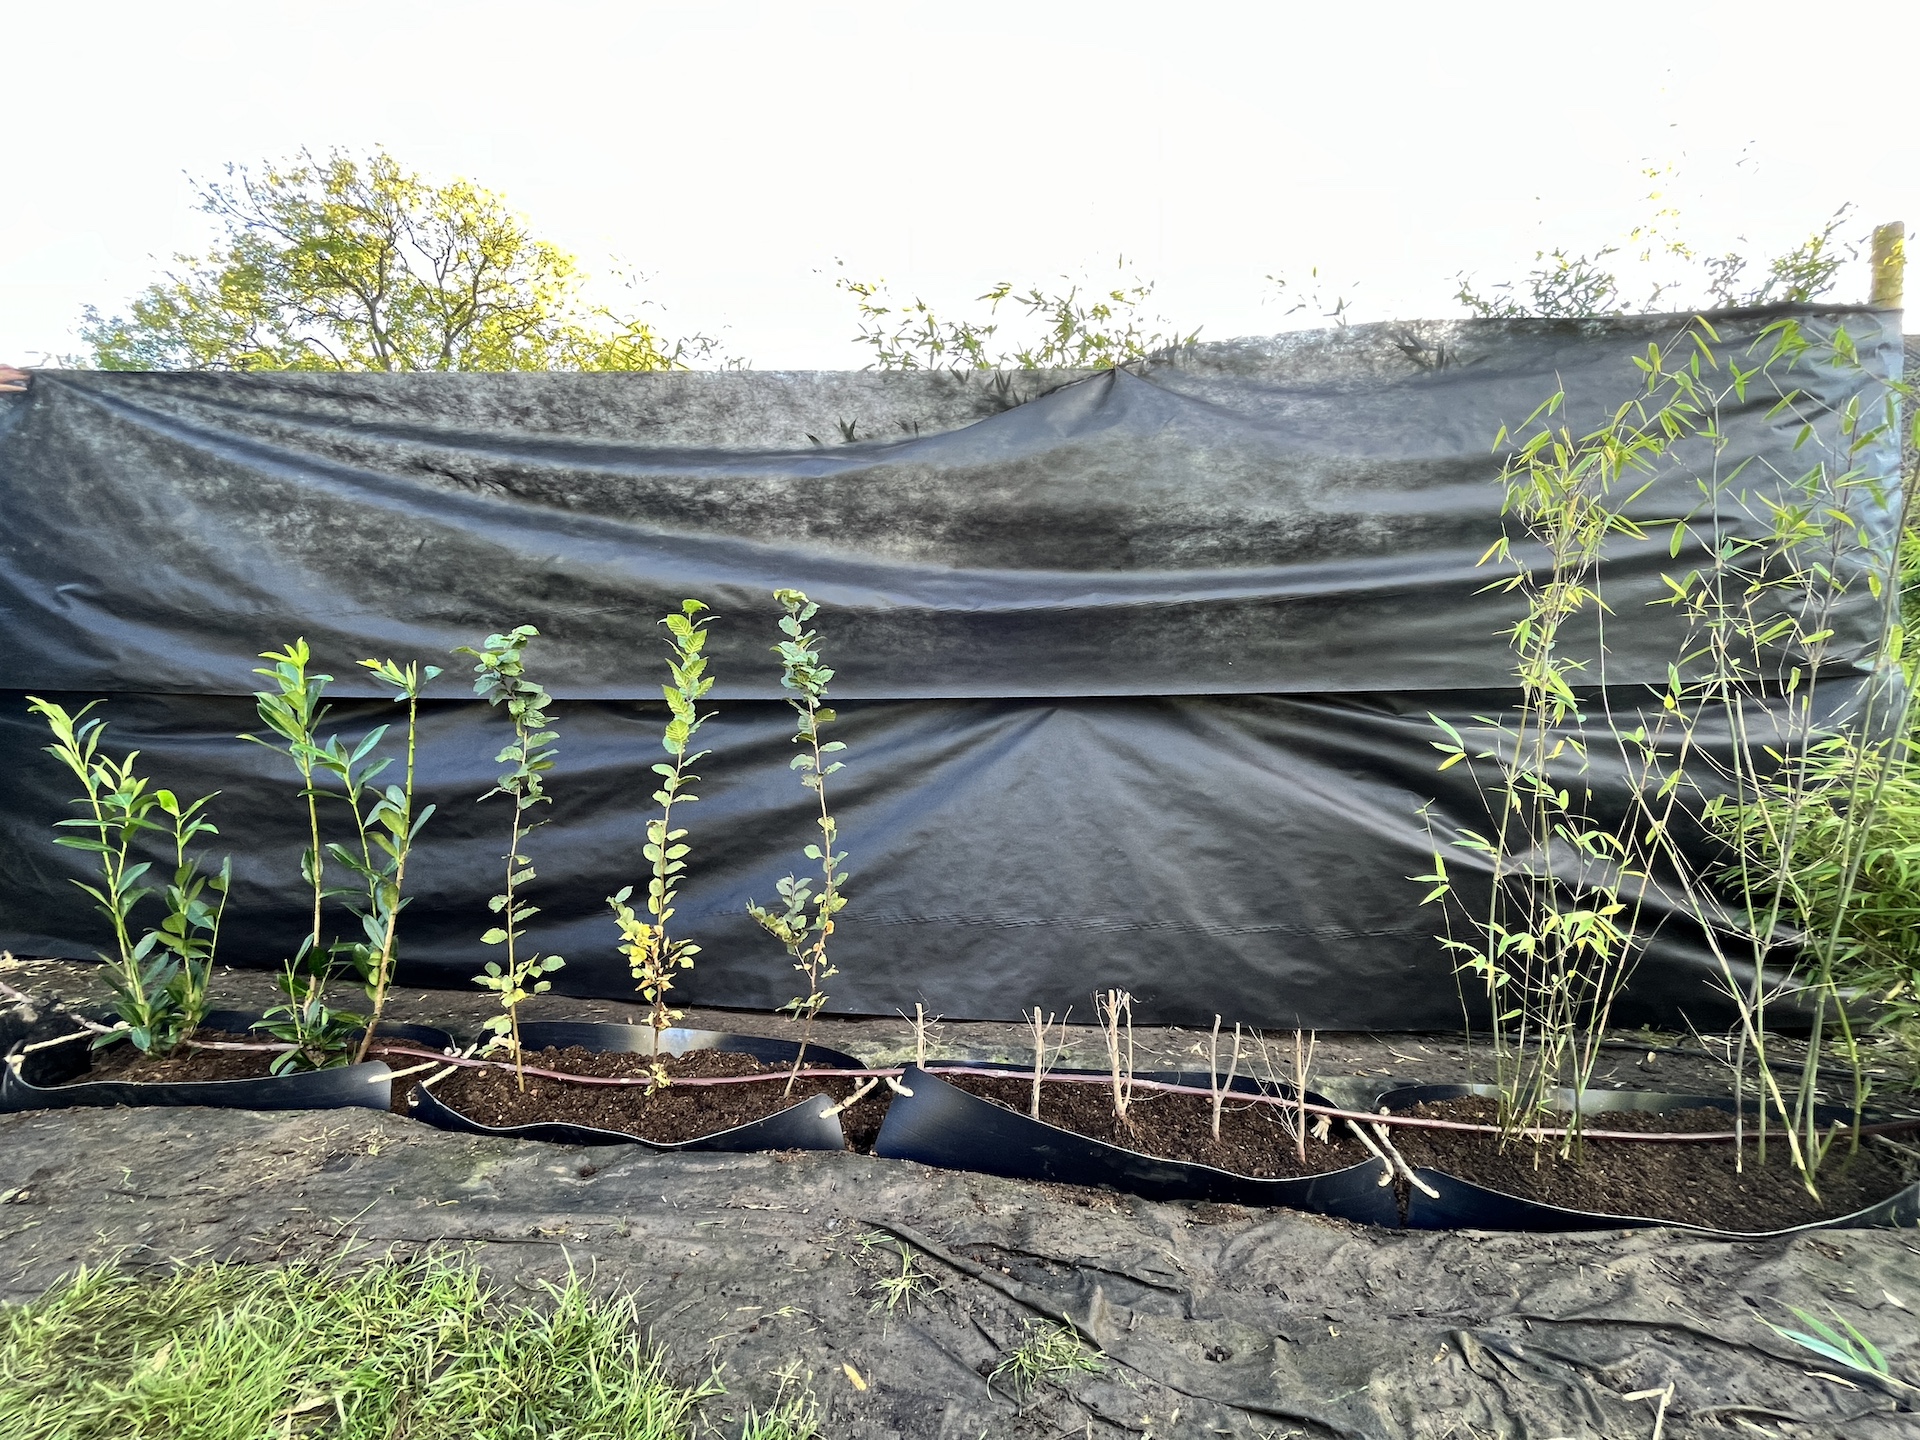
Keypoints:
pixel 1410 1122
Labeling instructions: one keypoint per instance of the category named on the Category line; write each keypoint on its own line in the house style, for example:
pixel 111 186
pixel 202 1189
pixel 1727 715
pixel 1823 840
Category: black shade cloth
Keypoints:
pixel 1137 668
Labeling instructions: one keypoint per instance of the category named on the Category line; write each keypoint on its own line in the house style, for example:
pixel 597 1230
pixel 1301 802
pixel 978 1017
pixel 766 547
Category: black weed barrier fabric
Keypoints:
pixel 1136 668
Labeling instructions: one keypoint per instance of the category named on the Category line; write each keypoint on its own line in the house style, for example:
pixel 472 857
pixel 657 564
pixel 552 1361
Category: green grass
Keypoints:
pixel 419 1349
pixel 794 1414
pixel 1049 1352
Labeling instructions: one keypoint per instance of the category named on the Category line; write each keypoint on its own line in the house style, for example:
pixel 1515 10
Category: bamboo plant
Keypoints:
pixel 500 679
pixel 1568 905
pixel 653 955
pixel 805 934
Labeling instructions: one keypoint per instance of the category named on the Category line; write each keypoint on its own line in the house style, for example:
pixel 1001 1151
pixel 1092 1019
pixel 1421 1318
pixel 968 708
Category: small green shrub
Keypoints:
pixel 501 680
pixel 293 708
pixel 651 953
pixel 160 979
pixel 805 935
pixel 1801 848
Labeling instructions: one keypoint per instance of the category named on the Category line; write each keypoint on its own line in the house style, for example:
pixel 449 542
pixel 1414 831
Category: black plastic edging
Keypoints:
pixel 35 1080
pixel 804 1125
pixel 1463 1205
pixel 940 1124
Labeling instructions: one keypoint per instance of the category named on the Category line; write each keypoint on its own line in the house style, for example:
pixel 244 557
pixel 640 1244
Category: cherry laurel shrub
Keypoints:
pixel 500 679
pixel 384 830
pixel 160 978
pixel 652 954
pixel 386 842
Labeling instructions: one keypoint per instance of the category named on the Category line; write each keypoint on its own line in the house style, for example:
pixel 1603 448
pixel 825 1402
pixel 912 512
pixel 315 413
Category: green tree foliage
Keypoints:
pixel 1082 327
pixel 357 263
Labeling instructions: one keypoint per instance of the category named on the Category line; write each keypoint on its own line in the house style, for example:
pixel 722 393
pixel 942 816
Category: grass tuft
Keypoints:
pixel 418 1348
pixel 1050 1352
pixel 794 1414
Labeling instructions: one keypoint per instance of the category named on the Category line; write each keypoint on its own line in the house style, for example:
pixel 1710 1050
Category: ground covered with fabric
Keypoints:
pixel 929 1305
pixel 1202 1320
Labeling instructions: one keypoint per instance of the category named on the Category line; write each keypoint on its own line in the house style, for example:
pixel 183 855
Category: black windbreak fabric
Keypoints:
pixel 1137 668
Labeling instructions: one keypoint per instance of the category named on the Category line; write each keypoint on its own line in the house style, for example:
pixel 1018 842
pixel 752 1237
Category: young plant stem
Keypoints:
pixel 805 935
pixel 393 814
pixel 1042 1060
pixel 1302 1074
pixel 390 928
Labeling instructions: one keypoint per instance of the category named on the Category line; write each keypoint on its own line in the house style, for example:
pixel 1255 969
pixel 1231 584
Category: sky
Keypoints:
pixel 743 155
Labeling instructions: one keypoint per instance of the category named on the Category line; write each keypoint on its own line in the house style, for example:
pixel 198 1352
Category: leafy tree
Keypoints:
pixel 356 263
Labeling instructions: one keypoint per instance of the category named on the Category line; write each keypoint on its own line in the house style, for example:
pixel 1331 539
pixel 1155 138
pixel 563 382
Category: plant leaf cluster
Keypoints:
pixel 1570 284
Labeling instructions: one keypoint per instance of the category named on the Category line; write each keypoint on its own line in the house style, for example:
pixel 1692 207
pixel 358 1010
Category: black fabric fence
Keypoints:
pixel 1136 669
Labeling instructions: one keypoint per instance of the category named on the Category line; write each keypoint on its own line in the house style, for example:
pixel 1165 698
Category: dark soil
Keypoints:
pixel 679 1112
pixel 1253 1141
pixel 123 1062
pixel 1696 1184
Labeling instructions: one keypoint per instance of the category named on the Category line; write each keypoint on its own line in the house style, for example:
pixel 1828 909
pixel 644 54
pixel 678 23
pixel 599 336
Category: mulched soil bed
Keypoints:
pixel 1254 1140
pixel 122 1062
pixel 1693 1183
pixel 492 1096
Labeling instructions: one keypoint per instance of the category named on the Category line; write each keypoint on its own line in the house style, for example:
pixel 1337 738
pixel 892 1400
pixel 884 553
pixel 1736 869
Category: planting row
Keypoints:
pixel 361 826
pixel 1427 1157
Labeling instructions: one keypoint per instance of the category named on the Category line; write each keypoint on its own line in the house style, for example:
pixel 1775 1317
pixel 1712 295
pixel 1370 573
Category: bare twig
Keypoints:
pixel 57 1040
pixel 1042 1061
pixel 1115 1009
pixel 1302 1069
pixel 1406 1170
pixel 1386 1165
pixel 1665 1396
pixel 859 1094
pixel 1213 1071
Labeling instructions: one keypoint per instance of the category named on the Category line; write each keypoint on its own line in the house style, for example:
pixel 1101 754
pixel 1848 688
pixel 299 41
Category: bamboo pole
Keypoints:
pixel 1889 264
